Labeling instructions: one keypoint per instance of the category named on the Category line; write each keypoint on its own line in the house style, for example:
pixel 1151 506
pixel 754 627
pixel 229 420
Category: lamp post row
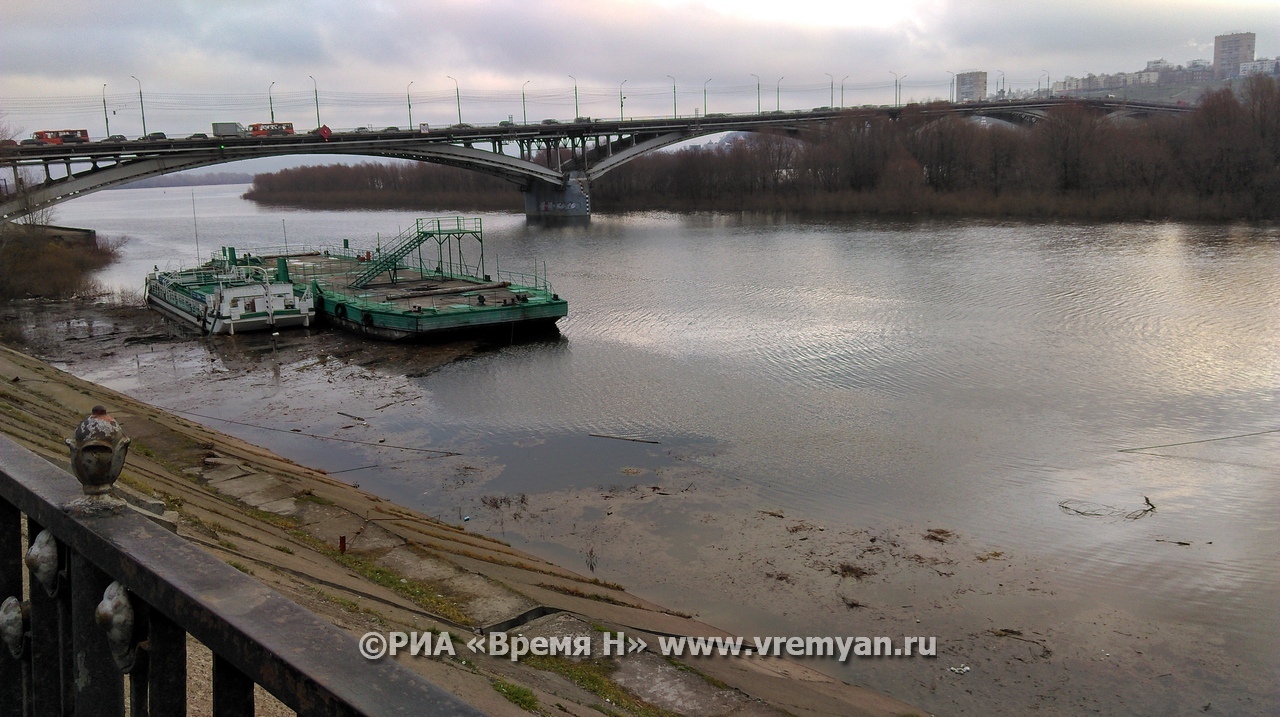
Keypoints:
pixel 897 97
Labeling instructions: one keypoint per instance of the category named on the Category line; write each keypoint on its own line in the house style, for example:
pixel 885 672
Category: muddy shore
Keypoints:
pixel 699 543
pixel 282 522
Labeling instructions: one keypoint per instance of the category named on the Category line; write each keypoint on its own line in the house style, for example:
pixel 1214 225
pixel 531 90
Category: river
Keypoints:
pixel 862 377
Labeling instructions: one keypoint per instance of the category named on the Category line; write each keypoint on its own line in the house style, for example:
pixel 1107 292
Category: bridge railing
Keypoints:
pixel 110 593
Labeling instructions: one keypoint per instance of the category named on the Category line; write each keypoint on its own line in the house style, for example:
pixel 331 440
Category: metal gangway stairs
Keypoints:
pixel 443 230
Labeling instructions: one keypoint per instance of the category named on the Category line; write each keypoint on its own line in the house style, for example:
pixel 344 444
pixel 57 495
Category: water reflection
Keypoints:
pixel 968 374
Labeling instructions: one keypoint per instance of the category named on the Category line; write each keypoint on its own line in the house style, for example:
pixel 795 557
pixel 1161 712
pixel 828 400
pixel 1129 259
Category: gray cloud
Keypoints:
pixel 237 48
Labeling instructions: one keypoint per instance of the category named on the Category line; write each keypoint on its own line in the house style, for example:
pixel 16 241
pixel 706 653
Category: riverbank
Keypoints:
pixel 1039 631
pixel 282 523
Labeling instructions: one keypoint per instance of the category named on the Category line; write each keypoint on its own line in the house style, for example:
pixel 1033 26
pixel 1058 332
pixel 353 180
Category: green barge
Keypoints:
pixel 429 281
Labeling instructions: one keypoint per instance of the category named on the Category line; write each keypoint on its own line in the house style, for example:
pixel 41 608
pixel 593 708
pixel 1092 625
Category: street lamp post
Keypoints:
pixel 621 102
pixel 457 93
pixel 409 101
pixel 315 90
pixel 674 112
pixel 523 106
pixel 270 103
pixel 141 106
pixel 704 97
pixel 951 93
pixel 104 109
pixel 842 79
pixel 576 115
pixel 832 101
pixel 1048 84
pixel 757 92
pixel 777 95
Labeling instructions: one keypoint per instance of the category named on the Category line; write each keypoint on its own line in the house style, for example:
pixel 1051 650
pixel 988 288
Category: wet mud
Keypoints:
pixel 1012 636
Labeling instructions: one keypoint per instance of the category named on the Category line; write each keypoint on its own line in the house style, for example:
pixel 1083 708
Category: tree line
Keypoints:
pixel 407 185
pixel 1219 161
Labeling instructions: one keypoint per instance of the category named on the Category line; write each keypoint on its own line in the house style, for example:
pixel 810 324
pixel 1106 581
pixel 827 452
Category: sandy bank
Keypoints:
pixel 282 523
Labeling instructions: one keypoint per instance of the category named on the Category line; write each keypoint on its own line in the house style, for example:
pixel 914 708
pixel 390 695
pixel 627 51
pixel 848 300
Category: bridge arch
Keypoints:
pixel 595 147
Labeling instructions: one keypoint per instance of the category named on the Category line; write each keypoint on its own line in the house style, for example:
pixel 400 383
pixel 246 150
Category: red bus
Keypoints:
pixel 61 136
pixel 271 129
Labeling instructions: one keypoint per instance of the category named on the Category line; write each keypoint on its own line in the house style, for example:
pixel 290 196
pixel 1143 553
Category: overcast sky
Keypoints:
pixel 203 61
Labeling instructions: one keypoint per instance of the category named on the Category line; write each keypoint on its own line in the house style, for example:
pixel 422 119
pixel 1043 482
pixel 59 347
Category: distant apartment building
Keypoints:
pixel 1260 67
pixel 971 87
pixel 1095 83
pixel 1230 51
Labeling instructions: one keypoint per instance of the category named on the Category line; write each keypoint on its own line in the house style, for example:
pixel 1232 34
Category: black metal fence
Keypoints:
pixel 66 648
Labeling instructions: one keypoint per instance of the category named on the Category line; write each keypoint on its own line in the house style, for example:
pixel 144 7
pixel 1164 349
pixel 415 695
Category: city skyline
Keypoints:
pixel 510 60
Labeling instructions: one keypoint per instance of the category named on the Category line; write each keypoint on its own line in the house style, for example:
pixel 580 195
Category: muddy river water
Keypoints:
pixel 811 399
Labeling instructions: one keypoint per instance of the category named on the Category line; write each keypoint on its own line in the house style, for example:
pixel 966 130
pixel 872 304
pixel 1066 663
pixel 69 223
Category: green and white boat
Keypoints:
pixel 405 291
pixel 231 294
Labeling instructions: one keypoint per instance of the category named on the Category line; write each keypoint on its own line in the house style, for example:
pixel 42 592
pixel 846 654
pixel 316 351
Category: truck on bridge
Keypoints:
pixel 229 129
pixel 60 136
pixel 271 129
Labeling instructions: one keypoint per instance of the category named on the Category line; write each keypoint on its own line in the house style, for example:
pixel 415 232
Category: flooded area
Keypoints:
pixel 794 427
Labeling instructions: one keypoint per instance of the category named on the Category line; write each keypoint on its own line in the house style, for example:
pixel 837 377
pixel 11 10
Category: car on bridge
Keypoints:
pixel 115 138
pixel 154 137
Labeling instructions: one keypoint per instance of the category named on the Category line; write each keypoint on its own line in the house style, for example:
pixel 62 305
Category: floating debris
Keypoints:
pixel 1098 510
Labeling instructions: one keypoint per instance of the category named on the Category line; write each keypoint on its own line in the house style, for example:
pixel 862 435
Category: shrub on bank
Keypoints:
pixel 36 264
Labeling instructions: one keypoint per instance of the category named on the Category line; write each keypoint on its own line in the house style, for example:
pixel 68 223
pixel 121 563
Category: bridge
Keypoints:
pixel 553 162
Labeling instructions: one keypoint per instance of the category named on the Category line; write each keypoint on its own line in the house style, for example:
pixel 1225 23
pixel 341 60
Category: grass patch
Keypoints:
pixel 594 676
pixel 228 545
pixel 521 697
pixel 309 496
pixel 349 605
pixel 279 521
pixel 524 566
pixel 240 566
pixel 427 596
pixel 589 596
pixel 705 677
pixel 284 549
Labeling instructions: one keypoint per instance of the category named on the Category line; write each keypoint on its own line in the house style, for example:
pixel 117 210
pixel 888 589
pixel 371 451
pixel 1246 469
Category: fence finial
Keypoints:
pixel 98 450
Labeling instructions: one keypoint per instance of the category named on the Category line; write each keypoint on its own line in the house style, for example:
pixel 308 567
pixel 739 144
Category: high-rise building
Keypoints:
pixel 1231 50
pixel 972 86
pixel 1265 66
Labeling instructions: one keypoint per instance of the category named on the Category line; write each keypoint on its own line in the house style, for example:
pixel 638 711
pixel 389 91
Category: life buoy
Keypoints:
pixel 340 311
pixel 366 318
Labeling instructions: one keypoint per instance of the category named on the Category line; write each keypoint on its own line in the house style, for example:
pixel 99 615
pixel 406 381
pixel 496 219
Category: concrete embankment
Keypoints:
pixel 285 524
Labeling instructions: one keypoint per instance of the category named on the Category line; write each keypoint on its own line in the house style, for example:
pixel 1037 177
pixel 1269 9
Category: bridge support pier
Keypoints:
pixel 545 202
